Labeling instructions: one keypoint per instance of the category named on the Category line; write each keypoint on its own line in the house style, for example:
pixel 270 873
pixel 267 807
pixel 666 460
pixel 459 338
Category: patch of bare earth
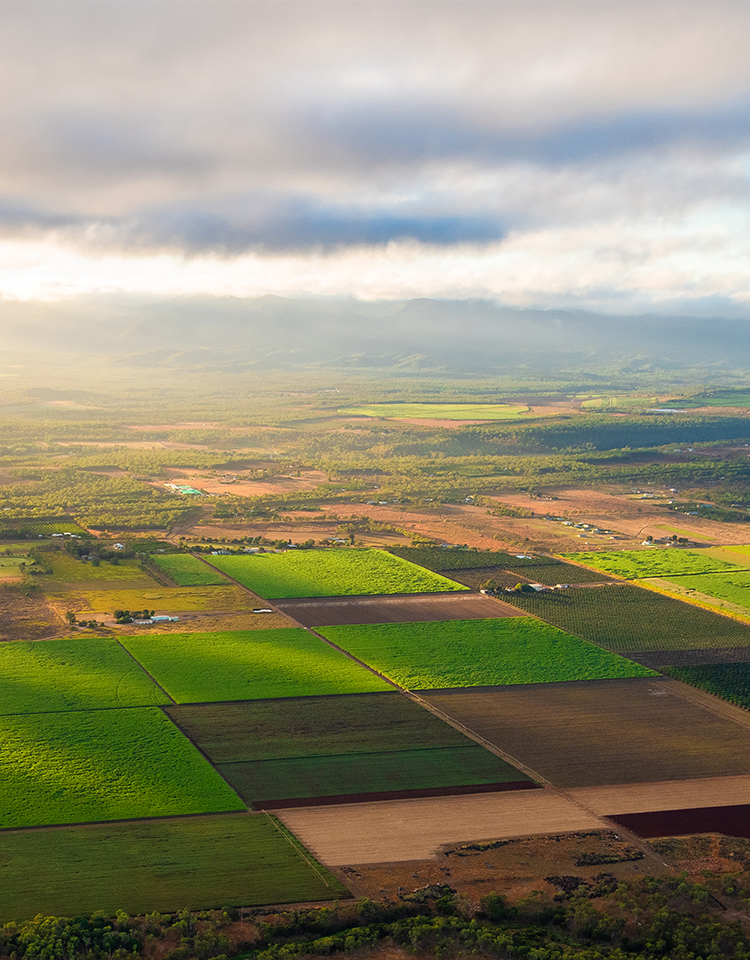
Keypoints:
pixel 399 830
pixel 513 867
pixel 312 613
pixel 25 617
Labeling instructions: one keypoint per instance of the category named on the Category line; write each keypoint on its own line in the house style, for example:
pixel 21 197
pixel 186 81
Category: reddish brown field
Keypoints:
pixel 733 821
pixel 319 613
pixel 26 617
pixel 607 731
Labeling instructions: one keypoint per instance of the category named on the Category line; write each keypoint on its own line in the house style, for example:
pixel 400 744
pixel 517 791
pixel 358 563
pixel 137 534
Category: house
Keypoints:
pixel 163 619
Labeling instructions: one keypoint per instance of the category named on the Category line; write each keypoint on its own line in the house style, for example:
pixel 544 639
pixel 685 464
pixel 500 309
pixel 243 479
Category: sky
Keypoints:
pixel 577 155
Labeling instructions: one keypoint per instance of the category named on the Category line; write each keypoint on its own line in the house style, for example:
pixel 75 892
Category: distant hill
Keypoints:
pixel 431 335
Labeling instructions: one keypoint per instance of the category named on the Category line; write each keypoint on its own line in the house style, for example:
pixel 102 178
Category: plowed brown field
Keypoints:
pixel 327 613
pixel 666 795
pixel 607 731
pixel 414 829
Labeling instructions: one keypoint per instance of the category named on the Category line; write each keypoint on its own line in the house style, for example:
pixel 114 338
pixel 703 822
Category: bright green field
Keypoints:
pixel 468 653
pixel 248 665
pixel 331 573
pixel 638 564
pixel 102 765
pixel 74 674
pixel 188 571
pixel 352 774
pixel 734 587
pixel 69 570
pixel 195 863
pixel 439 411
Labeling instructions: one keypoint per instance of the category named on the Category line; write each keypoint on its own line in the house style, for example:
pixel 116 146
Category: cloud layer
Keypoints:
pixel 589 154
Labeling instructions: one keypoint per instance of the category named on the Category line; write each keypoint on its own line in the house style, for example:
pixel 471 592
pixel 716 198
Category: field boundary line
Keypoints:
pixel 150 676
pixel 295 846
pixel 710 701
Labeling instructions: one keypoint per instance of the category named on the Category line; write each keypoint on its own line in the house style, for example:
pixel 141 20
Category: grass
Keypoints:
pixel 196 863
pixel 637 564
pixel 69 570
pixel 733 587
pixel 248 665
pixel 466 653
pixel 160 599
pixel 76 674
pixel 188 571
pixel 628 618
pixel 312 726
pixel 356 774
pixel 730 681
pixel 59 768
pixel 331 573
pixel 439 411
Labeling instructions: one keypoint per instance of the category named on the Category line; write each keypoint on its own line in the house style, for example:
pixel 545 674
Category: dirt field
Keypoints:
pixel 26 617
pixel 414 829
pixel 690 658
pixel 734 821
pixel 314 613
pixel 513 867
pixel 666 795
pixel 246 486
pixel 608 731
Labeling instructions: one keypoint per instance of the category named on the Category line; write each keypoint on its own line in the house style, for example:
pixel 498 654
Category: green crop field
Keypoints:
pixel 47 527
pixel 69 570
pixel 637 564
pixel 355 774
pixel 59 768
pixel 733 587
pixel 331 573
pixel 195 863
pixel 75 674
pixel 629 618
pixel 155 597
pixel 466 653
pixel 473 567
pixel 730 681
pixel 248 665
pixel 439 411
pixel 312 726
pixel 188 571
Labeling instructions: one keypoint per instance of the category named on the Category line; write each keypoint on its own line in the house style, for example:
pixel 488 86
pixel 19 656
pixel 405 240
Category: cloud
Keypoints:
pixel 546 153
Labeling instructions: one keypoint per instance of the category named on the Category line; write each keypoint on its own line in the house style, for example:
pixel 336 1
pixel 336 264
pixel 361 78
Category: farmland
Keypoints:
pixel 733 587
pixel 414 609
pixel 75 674
pixel 162 599
pixel 330 573
pixel 248 665
pixel 589 734
pixel 463 653
pixel 485 564
pixel 437 769
pixel 730 681
pixel 187 571
pixel 59 768
pixel 637 564
pixel 626 618
pixel 439 411
pixel 313 726
pixel 145 867
pixel 70 570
